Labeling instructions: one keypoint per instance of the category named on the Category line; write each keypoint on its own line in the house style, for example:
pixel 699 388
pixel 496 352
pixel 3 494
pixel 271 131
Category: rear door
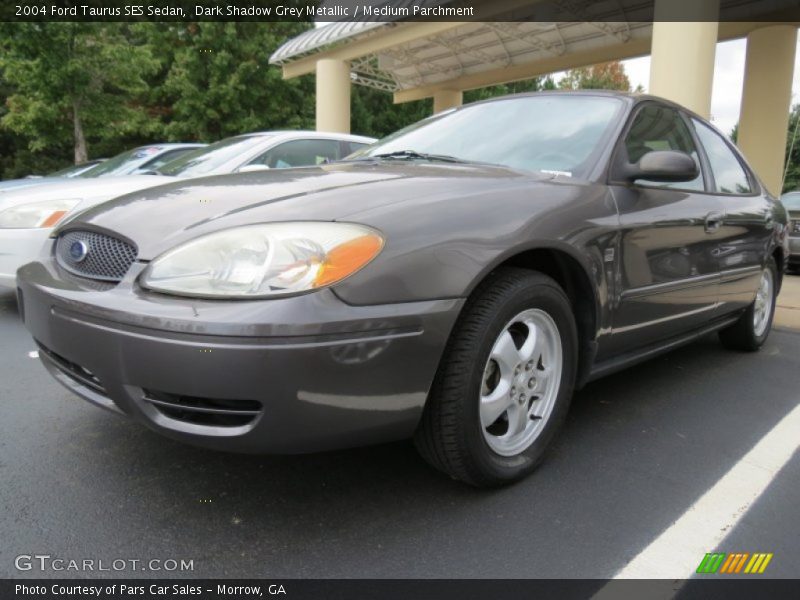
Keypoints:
pixel 668 273
pixel 746 227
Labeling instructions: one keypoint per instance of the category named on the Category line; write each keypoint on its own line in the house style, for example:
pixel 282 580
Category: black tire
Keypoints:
pixel 450 436
pixel 742 335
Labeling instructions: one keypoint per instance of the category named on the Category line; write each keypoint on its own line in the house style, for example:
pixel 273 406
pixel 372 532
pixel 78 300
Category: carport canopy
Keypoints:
pixel 414 60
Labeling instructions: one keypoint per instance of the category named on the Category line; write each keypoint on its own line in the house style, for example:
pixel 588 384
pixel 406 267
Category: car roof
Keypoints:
pixel 325 135
pixel 168 145
pixel 630 98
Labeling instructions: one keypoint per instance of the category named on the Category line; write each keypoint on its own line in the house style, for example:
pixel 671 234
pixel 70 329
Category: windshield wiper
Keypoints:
pixel 414 155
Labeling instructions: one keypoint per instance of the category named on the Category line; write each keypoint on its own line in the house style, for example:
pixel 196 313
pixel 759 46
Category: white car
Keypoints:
pixel 130 161
pixel 28 216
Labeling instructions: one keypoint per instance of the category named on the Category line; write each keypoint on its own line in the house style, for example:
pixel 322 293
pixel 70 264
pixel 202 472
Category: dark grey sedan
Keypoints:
pixel 454 282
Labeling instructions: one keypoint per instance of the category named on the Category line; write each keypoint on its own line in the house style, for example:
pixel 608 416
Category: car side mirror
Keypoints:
pixel 663 166
pixel 253 168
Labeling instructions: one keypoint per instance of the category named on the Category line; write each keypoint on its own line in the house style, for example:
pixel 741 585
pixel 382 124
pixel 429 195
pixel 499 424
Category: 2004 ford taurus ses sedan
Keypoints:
pixel 454 282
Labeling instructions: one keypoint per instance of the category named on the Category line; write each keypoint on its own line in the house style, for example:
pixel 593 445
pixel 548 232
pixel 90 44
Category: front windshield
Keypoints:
pixel 67 171
pixel 122 164
pixel 549 132
pixel 204 160
pixel 791 200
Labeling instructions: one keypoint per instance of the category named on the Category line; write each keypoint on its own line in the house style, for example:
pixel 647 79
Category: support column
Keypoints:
pixel 766 101
pixel 682 53
pixel 333 95
pixel 446 99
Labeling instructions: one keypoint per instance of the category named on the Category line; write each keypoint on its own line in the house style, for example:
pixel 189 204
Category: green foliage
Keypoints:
pixel 219 83
pixel 605 76
pixel 72 80
pixel 515 87
pixel 136 83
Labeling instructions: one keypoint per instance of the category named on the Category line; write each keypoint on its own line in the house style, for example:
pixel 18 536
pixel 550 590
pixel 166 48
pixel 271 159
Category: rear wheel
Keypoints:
pixel 753 327
pixel 505 382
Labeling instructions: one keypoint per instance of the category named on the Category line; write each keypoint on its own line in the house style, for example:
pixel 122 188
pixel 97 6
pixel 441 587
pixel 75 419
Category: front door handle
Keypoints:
pixel 713 221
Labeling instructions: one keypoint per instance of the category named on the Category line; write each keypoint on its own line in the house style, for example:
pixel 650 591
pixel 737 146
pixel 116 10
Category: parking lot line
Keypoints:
pixel 675 553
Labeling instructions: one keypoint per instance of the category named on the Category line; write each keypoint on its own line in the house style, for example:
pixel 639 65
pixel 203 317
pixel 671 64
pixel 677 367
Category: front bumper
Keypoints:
pixel 18 247
pixel 287 375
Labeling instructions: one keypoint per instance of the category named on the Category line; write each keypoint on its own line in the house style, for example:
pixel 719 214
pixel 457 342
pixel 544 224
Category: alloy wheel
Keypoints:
pixel 520 382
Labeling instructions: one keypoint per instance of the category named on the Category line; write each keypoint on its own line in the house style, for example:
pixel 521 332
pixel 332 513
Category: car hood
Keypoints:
pixel 15 184
pixel 89 191
pixel 159 219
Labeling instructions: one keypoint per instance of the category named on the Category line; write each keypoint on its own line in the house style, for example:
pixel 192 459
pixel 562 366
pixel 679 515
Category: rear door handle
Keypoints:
pixel 713 221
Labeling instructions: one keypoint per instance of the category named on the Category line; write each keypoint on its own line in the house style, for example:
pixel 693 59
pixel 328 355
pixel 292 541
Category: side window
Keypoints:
pixel 662 128
pixel 299 153
pixel 355 146
pixel 729 175
pixel 164 158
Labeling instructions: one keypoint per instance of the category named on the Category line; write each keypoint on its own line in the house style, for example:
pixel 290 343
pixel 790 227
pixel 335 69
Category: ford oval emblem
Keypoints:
pixel 78 250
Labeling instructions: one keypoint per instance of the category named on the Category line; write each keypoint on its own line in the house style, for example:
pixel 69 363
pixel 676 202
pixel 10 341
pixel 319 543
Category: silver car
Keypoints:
pixel 28 216
pixel 144 157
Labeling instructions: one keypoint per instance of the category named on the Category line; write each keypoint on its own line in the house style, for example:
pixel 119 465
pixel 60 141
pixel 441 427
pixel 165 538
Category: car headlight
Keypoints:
pixel 39 214
pixel 272 259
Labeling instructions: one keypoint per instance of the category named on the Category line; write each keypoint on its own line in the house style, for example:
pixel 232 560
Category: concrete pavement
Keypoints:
pixel 787 313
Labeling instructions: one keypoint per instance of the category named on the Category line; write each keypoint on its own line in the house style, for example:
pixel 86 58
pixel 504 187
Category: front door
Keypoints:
pixel 668 269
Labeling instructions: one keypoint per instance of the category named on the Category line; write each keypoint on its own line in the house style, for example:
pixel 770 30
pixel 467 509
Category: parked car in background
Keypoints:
pixel 454 282
pixel 72 170
pixel 262 151
pixel 28 216
pixel 142 158
pixel 791 201
pixel 126 163
pixel 54 177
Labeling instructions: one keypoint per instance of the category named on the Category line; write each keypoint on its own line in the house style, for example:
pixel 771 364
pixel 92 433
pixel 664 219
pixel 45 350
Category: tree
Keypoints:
pixel 216 80
pixel 72 80
pixel 605 76
pixel 536 84
pixel 734 134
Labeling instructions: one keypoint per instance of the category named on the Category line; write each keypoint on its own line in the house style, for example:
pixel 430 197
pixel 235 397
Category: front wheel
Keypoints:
pixel 753 327
pixel 505 382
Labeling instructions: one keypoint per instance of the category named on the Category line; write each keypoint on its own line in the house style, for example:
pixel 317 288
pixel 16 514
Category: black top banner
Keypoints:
pixel 401 10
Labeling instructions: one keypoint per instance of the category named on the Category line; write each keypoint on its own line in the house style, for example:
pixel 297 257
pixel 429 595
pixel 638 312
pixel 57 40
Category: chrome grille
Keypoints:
pixel 94 255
